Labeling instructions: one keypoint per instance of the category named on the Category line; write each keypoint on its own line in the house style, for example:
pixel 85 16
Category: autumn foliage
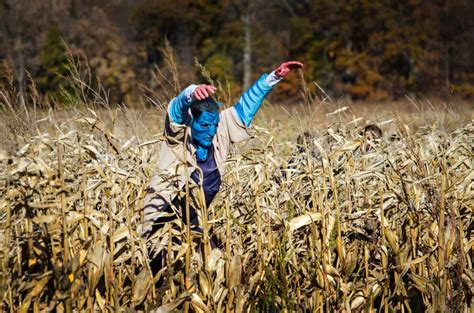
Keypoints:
pixel 372 50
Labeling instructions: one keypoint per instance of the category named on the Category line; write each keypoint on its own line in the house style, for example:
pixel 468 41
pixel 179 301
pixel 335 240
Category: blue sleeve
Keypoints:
pixel 179 105
pixel 252 99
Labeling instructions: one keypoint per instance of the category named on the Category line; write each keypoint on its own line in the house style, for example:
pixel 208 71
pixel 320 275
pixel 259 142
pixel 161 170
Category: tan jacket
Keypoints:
pixel 169 176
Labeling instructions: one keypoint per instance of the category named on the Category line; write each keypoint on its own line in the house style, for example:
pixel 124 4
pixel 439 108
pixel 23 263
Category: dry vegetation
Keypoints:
pixel 341 222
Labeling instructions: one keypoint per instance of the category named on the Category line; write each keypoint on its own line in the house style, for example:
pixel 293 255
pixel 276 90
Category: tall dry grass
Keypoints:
pixel 339 223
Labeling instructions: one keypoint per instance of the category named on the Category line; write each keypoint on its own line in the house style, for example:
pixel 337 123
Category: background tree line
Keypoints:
pixel 360 49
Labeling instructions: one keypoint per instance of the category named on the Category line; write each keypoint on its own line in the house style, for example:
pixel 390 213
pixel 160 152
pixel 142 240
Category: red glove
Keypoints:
pixel 285 68
pixel 203 91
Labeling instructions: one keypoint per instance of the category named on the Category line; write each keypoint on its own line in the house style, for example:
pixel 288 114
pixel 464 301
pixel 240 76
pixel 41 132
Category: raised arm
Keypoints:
pixel 252 99
pixel 179 105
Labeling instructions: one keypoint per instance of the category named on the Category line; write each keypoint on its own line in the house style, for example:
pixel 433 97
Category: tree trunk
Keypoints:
pixel 247 62
pixel 447 68
pixel 20 69
pixel 185 53
pixel 72 9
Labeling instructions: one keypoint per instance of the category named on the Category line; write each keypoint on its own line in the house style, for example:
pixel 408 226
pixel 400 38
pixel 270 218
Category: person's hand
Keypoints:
pixel 203 91
pixel 285 68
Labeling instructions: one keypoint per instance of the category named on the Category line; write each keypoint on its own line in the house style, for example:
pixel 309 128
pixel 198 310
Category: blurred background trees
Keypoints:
pixel 357 49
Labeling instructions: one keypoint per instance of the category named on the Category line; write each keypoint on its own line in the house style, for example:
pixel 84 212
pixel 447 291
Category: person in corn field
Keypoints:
pixel 198 140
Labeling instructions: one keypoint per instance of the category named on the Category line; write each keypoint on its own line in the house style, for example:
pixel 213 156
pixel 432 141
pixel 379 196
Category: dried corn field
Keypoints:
pixel 339 222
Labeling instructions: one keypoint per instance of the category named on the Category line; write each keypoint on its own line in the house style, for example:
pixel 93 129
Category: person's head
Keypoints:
pixel 372 131
pixel 205 115
pixel 304 141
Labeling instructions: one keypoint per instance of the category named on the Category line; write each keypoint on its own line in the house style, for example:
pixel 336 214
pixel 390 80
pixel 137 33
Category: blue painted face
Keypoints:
pixel 204 128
